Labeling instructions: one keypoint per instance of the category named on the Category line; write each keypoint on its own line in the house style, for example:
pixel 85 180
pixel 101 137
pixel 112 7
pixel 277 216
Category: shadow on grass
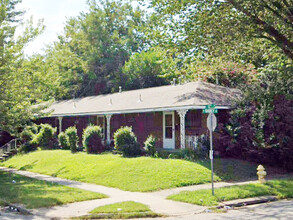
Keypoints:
pixel 36 193
pixel 28 166
pixel 232 169
pixel 60 171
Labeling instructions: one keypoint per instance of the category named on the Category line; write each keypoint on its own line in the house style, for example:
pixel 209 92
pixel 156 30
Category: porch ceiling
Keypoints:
pixel 194 95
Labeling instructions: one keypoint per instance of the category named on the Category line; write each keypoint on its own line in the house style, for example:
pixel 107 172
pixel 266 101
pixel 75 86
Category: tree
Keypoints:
pixel 98 43
pixel 148 69
pixel 15 88
pixel 251 31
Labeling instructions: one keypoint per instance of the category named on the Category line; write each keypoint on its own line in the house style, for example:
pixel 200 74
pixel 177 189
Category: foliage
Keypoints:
pixel 125 141
pixel 45 137
pixel 27 147
pixel 34 193
pixel 260 128
pixel 218 71
pixel 251 31
pixel 17 92
pixel 131 174
pixel 63 141
pixel 279 188
pixel 150 145
pixel 148 69
pixel 98 43
pixel 122 210
pixel 92 139
pixel 71 133
pixel 28 133
pixel 27 136
pixel 199 151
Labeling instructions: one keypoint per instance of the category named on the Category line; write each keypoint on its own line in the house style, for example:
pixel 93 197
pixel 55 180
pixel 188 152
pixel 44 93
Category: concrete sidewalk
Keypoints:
pixel 155 200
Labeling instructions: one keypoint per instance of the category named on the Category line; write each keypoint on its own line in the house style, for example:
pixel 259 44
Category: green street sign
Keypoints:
pixel 210 106
pixel 207 111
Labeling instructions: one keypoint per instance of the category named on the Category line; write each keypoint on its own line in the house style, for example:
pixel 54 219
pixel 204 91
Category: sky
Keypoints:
pixel 55 14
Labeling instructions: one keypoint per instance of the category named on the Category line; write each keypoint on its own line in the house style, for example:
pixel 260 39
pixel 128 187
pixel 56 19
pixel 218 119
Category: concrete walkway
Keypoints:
pixel 155 200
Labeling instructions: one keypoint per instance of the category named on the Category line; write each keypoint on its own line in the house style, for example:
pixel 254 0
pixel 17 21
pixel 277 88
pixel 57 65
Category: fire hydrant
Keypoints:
pixel 261 174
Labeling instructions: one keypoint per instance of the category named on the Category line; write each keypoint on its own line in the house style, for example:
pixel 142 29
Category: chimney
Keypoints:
pixel 120 89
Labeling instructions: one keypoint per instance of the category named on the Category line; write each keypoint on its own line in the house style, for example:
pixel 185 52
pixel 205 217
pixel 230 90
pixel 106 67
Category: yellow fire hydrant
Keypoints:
pixel 261 174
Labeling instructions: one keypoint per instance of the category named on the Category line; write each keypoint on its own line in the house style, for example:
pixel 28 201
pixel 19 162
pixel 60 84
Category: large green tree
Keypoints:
pixel 96 45
pixel 16 96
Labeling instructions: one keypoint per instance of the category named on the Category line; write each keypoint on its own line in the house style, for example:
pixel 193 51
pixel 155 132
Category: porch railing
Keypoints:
pixel 8 147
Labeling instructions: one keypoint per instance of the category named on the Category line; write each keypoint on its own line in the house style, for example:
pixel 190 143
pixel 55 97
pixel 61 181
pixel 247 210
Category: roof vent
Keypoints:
pixel 139 99
pixel 120 89
pixel 110 103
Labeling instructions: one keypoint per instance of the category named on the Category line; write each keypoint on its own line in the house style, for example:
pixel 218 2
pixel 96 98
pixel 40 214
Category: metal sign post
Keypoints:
pixel 211 124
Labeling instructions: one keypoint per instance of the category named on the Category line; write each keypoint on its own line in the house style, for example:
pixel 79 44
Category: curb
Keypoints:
pixel 246 202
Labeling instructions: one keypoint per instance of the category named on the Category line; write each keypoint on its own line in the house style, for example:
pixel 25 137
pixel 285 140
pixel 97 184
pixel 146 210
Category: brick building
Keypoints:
pixel 171 113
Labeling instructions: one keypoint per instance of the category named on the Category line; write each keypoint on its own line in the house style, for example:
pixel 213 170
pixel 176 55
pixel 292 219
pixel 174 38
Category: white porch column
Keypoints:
pixel 108 117
pixel 182 113
pixel 60 124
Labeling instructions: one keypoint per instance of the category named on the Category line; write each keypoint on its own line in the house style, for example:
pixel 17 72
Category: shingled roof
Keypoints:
pixel 193 95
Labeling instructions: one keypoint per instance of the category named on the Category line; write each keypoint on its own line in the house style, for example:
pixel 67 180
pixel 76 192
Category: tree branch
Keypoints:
pixel 283 19
pixel 286 44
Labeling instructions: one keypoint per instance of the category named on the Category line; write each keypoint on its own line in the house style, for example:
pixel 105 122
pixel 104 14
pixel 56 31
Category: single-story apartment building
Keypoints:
pixel 172 113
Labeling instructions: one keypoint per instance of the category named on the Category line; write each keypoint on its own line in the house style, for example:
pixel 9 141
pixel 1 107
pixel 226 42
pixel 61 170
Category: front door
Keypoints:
pixel 168 130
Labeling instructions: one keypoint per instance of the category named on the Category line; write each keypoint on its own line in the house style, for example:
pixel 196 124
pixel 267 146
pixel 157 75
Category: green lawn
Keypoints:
pixel 121 210
pixel 36 193
pixel 279 188
pixel 132 174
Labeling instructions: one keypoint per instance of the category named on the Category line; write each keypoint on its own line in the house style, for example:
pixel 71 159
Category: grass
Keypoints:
pixel 33 193
pixel 238 170
pixel 279 188
pixel 121 210
pixel 131 174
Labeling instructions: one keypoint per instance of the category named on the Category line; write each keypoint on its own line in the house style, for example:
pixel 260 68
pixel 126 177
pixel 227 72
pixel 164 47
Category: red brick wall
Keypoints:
pixel 143 124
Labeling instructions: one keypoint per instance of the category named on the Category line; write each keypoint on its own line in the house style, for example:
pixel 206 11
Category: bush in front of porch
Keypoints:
pixel 126 142
pixel 92 139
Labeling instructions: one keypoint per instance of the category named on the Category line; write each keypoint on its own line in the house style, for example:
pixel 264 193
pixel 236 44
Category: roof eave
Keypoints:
pixel 129 111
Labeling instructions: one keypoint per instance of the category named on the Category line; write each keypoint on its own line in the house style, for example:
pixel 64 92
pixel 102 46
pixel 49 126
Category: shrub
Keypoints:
pixel 71 132
pixel 150 145
pixel 46 137
pixel 92 139
pixel 28 133
pixel 125 141
pixel 200 150
pixel 27 147
pixel 260 127
pixel 63 141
